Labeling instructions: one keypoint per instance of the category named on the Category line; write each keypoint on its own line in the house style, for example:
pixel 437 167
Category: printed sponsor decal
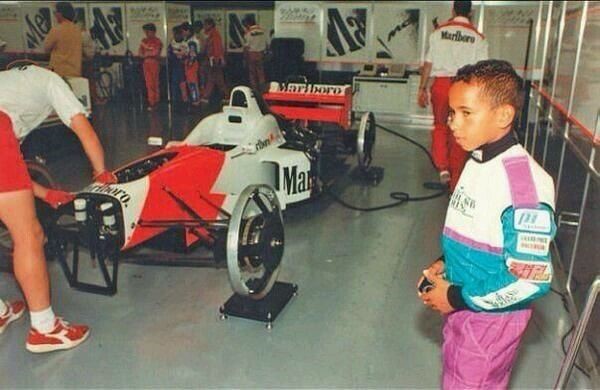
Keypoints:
pixel 316 89
pixel 506 296
pixel 463 203
pixel 123 196
pixel 294 181
pixel 533 220
pixel 533 244
pixel 531 271
pixel 262 143
pixel 458 37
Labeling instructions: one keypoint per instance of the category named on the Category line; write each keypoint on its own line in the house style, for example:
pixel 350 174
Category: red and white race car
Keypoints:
pixel 225 185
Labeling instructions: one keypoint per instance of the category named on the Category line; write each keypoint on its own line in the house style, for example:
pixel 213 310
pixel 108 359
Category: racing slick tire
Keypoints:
pixel 41 175
pixel 365 140
pixel 255 241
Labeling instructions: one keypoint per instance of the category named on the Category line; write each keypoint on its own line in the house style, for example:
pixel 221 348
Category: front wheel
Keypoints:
pixel 255 241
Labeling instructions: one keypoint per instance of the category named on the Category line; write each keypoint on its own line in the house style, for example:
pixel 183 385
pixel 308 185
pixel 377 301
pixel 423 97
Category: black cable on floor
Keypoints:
pixel 400 196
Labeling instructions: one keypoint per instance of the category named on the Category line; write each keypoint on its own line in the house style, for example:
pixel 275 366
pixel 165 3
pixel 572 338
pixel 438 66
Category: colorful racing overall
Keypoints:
pixel 496 242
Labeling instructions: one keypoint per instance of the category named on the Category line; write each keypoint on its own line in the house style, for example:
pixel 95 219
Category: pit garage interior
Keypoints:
pixel 355 249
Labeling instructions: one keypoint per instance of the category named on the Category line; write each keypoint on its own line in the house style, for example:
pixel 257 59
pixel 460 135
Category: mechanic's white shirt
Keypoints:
pixel 29 94
pixel 453 45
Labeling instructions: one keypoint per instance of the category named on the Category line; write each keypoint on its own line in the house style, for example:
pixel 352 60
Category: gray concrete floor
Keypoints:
pixel 356 323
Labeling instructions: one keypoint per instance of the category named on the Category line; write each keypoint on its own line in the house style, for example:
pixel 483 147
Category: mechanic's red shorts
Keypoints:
pixel 13 171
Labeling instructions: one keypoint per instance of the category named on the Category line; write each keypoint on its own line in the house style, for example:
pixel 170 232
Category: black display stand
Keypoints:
pixel 263 310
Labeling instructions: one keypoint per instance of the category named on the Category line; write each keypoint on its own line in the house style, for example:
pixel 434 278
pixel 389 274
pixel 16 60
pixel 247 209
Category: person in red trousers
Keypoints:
pixel 451 46
pixel 150 49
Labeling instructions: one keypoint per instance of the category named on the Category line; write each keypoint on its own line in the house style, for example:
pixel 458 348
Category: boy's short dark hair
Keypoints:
pixel 149 27
pixel 197 26
pixel 499 82
pixel 209 21
pixel 249 20
pixel 462 7
pixel 66 10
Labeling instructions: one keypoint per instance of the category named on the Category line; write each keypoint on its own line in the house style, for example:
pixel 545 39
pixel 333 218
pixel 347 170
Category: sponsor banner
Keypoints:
pixel 106 27
pixel 10 27
pixel 346 33
pixel 176 14
pixel 235 29
pixel 295 12
pixel 36 22
pixel 396 34
pixel 139 14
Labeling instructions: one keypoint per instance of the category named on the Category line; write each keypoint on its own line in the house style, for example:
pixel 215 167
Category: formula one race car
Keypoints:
pixel 225 186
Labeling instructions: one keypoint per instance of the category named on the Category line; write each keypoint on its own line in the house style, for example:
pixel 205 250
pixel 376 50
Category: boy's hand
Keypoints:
pixel 437 297
pixel 436 268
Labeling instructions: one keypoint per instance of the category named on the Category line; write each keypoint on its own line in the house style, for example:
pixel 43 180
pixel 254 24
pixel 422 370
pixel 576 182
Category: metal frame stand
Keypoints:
pixel 263 310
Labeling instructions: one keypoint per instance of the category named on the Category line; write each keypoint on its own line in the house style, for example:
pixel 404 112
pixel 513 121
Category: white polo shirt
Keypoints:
pixel 29 94
pixel 453 45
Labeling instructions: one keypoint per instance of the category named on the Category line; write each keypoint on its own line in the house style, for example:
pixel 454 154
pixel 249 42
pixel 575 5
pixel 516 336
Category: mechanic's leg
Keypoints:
pixel 17 212
pixel 441 131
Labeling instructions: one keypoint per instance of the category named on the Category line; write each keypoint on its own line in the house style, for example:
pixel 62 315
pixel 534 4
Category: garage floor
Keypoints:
pixel 356 322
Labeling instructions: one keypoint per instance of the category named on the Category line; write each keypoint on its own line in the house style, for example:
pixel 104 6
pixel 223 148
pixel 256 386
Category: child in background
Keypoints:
pixel 149 50
pixel 177 53
pixel 496 236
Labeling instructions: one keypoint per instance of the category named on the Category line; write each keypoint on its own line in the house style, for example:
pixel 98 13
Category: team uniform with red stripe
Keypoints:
pixel 451 46
pixel 29 94
pixel 496 241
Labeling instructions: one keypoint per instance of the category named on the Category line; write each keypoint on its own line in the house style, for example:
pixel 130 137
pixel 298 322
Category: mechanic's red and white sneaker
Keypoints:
pixel 14 311
pixel 63 336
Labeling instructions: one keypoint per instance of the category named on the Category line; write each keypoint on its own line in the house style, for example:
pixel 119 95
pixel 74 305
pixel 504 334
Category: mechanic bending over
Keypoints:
pixel 28 95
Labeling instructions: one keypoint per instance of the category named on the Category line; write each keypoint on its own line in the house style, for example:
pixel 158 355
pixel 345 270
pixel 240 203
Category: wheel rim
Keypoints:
pixel 255 242
pixel 365 140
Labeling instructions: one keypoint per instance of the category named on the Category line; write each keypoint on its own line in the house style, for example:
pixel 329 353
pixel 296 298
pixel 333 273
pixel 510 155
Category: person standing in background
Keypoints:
pixel 216 61
pixel 177 52
pixel 451 46
pixel 198 29
pixel 192 64
pixel 64 42
pixel 254 53
pixel 149 50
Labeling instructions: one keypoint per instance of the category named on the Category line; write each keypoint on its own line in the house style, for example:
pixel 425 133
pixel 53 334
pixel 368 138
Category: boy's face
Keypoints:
pixel 150 33
pixel 472 118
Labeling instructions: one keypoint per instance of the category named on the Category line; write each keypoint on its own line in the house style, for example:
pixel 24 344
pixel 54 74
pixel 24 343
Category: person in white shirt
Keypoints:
pixel 451 46
pixel 28 95
pixel 254 52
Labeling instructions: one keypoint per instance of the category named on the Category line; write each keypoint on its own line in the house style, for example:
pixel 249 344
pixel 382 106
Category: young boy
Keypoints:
pixel 150 49
pixel 192 64
pixel 497 233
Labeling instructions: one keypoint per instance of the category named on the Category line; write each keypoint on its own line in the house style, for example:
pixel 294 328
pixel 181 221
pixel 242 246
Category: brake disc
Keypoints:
pixel 365 140
pixel 255 242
